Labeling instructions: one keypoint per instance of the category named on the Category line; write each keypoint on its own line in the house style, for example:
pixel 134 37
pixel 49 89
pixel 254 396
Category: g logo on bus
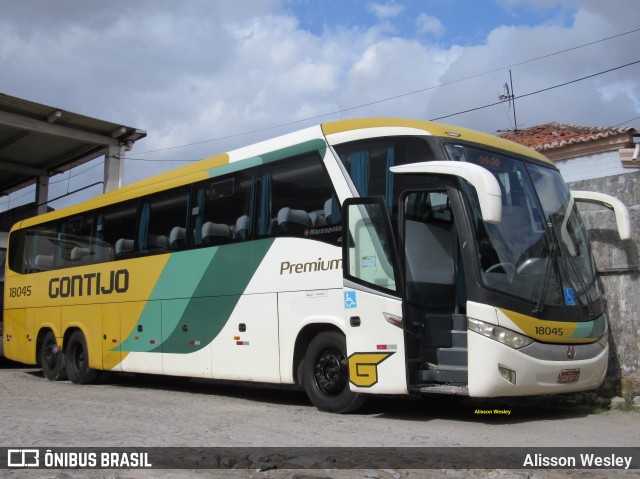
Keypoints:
pixel 363 368
pixel 571 352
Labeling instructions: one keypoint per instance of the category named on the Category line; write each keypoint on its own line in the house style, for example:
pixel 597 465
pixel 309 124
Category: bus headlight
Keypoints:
pixel 502 335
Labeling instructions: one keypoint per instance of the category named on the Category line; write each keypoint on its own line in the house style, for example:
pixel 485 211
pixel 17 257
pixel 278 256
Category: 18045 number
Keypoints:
pixel 20 292
pixel 547 331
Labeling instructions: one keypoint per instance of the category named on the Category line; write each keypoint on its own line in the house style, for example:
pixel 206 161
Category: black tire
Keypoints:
pixel 52 359
pixel 326 374
pixel 77 360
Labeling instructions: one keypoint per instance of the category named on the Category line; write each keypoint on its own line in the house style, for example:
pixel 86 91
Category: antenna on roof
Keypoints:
pixel 511 98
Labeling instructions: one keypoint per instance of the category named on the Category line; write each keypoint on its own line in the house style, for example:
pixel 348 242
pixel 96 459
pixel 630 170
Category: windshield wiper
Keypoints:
pixel 557 258
pixel 550 254
pixel 570 266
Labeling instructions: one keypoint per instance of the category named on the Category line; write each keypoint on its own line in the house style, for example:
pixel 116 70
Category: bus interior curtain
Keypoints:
pixel 360 171
pixel 144 227
pixel 59 251
pixel 252 207
pixel 97 241
pixel 389 180
pixel 199 221
pixel 264 221
pixel 334 215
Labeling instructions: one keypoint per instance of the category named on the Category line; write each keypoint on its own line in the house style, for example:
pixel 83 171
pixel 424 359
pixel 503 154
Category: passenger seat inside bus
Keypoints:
pixel 157 244
pixel 43 262
pixel 290 220
pixel 241 229
pixel 317 218
pixel 216 233
pixel 178 238
pixel 124 248
pixel 79 254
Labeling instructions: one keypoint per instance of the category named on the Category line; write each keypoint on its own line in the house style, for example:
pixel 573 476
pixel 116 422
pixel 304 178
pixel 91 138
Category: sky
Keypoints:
pixel 206 76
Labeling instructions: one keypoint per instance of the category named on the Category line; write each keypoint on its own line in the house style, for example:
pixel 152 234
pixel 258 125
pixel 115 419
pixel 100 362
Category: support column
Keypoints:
pixel 42 194
pixel 113 167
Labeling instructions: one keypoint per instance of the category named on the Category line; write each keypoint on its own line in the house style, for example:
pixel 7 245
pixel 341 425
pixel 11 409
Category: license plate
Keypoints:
pixel 568 376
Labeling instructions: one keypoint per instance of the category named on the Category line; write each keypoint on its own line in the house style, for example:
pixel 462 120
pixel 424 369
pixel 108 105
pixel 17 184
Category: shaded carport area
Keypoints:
pixel 39 141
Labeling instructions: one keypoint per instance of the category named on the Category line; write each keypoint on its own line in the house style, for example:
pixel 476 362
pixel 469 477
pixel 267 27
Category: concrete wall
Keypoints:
pixel 618 263
pixel 592 166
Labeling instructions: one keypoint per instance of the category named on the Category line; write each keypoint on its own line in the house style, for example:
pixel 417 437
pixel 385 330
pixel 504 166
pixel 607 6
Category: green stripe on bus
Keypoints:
pixel 294 150
pixel 591 329
pixel 198 291
pixel 299 149
pixel 235 166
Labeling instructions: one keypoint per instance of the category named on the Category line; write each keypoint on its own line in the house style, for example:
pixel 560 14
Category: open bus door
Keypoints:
pixel 415 282
pixel 372 299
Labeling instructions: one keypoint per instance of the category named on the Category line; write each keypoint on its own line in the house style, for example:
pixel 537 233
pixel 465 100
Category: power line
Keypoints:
pixel 10 199
pixel 391 98
pixel 395 97
pixel 538 91
pixel 433 119
pixel 626 122
pixel 78 173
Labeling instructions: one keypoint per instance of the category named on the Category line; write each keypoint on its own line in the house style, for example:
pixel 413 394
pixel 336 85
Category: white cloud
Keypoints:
pixel 579 103
pixel 428 25
pixel 393 67
pixel 385 10
pixel 199 70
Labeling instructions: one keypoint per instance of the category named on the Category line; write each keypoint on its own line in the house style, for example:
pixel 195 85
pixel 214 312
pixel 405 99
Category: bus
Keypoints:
pixel 4 236
pixel 356 257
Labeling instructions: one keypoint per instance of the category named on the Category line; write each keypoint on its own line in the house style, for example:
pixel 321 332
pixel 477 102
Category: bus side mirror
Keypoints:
pixel 622 213
pixel 486 185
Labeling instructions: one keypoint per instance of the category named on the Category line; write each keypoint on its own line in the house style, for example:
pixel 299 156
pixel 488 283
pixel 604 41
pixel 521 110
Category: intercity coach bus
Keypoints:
pixel 373 256
pixel 3 255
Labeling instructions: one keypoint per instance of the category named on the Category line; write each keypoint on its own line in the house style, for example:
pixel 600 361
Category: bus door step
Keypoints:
pixel 444 389
pixel 441 373
pixel 452 356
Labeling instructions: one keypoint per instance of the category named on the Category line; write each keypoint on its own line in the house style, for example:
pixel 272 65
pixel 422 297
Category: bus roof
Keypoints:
pixel 199 170
pixel 435 129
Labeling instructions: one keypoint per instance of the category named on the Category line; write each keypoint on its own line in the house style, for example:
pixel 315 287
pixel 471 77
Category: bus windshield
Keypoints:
pixel 539 251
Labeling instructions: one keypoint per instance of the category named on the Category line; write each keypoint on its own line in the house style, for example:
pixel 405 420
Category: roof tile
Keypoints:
pixel 557 135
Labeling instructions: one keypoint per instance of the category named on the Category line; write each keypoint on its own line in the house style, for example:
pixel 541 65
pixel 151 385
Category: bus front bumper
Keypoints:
pixel 498 370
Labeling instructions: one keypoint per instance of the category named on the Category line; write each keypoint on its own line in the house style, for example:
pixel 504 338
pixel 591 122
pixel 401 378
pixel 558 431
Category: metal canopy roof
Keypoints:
pixel 38 140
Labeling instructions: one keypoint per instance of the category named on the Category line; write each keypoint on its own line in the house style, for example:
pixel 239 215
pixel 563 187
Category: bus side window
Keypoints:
pixel 163 222
pixel 38 247
pixel 117 228
pixel 223 209
pixel 78 242
pixel 368 163
pixel 297 199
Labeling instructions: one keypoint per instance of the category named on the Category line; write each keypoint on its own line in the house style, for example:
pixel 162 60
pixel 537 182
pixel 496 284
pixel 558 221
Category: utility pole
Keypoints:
pixel 511 98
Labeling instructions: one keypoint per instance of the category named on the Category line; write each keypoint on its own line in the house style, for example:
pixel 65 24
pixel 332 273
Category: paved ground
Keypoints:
pixel 128 412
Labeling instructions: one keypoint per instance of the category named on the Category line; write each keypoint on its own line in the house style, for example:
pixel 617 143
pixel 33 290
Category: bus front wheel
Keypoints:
pixel 52 359
pixel 326 374
pixel 77 359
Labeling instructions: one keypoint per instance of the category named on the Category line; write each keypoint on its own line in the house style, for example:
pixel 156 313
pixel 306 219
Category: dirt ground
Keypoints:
pixel 129 412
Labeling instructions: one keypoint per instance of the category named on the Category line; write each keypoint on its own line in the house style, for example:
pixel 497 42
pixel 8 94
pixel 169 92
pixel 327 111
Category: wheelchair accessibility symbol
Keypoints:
pixel 350 299
pixel 569 297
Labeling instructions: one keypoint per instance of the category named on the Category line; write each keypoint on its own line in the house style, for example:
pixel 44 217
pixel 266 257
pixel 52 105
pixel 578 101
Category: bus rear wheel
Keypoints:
pixel 77 359
pixel 326 374
pixel 52 359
